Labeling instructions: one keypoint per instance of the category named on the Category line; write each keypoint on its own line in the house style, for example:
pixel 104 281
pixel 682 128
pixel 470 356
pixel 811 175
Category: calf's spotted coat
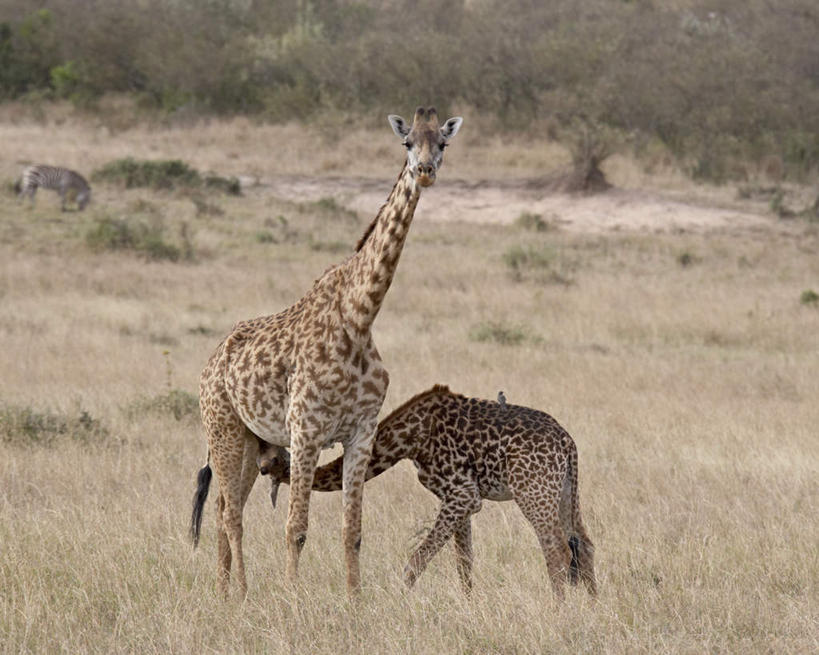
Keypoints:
pixel 467 450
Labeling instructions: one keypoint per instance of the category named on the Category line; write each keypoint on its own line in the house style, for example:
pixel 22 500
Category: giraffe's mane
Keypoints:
pixel 371 227
pixel 438 389
pixel 367 232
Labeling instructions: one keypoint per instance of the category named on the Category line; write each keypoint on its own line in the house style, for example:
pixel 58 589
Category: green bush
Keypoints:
pixel 26 426
pixel 228 185
pixel 809 297
pixel 328 207
pixel 539 263
pixel 146 237
pixel 66 79
pixel 505 335
pixel 686 259
pixel 28 51
pixel 715 85
pixel 519 258
pixel 175 402
pixel 529 221
pixel 160 174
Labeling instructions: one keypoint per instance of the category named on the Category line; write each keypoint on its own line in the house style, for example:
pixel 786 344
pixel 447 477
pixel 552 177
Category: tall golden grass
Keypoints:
pixel 683 365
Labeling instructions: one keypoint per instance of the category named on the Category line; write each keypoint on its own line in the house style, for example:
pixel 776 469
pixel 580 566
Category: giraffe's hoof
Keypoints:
pixel 409 577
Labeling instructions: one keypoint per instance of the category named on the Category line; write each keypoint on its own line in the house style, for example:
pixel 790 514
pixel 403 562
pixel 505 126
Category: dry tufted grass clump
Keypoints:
pixel 689 388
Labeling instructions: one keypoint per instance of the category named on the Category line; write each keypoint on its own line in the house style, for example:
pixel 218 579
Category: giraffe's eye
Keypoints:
pixel 444 145
pixel 407 145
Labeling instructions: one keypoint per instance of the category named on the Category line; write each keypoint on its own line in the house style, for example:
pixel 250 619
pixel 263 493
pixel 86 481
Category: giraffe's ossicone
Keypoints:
pixel 311 376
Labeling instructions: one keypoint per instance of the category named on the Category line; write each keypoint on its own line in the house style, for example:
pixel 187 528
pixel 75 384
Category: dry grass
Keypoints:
pixel 242 147
pixel 688 383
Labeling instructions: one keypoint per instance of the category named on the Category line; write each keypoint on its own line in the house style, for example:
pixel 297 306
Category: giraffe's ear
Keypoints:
pixel 451 127
pixel 399 125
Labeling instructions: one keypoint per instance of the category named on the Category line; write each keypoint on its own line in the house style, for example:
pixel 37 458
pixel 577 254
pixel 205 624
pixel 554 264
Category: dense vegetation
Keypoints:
pixel 711 81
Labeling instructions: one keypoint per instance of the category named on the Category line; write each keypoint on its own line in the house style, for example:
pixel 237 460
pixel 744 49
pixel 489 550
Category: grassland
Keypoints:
pixel 684 365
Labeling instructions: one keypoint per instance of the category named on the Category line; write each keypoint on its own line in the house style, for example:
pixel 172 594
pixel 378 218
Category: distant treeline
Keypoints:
pixel 711 80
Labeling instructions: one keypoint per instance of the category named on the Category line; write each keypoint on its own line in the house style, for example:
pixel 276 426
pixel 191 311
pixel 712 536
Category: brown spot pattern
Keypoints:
pixel 467 450
pixel 308 377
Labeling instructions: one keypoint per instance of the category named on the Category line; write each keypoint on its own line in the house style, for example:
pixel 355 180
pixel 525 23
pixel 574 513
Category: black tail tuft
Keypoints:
pixel 574 569
pixel 199 498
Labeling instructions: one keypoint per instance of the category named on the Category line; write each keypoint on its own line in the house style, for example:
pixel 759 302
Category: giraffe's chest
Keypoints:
pixel 335 389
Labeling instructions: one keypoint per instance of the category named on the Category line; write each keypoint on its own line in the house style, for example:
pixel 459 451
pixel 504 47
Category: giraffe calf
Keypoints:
pixel 467 450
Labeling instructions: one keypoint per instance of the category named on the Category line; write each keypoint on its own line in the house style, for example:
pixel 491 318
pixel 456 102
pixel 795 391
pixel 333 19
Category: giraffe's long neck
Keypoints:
pixel 399 437
pixel 371 269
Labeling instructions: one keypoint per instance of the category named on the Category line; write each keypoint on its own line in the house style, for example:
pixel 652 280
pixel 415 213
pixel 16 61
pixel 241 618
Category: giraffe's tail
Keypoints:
pixel 581 566
pixel 202 486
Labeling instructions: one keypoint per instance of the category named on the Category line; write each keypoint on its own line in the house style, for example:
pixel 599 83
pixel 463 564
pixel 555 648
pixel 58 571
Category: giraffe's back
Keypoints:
pixel 495 445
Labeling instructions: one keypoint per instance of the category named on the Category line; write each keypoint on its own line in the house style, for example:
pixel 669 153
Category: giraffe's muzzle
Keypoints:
pixel 425 174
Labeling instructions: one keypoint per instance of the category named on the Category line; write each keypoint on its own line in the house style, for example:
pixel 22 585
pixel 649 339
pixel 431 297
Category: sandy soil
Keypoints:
pixel 503 202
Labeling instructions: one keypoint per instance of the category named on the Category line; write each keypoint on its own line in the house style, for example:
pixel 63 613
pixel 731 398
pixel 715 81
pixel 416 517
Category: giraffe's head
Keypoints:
pixel 425 141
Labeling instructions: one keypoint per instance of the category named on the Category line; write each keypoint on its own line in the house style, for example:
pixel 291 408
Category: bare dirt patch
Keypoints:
pixel 504 201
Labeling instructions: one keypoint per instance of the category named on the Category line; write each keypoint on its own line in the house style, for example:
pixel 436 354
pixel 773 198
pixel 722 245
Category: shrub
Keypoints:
pixel 533 222
pixel 779 207
pixel 145 237
pixel 505 335
pixel 175 402
pixel 809 297
pixel 518 257
pixel 540 263
pixel 328 246
pixel 227 185
pixel 205 208
pixel 28 52
pixel 686 259
pixel 25 426
pixel 328 207
pixel 812 212
pixel 160 174
pixel 590 147
pixel 714 84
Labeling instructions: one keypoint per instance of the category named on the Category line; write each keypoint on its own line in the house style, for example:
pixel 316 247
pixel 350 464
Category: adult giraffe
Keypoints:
pixel 311 376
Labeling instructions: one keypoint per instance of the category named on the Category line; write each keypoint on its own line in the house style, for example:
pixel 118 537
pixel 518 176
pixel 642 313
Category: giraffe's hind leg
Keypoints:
pixel 227 446
pixel 583 558
pixel 455 509
pixel 463 553
pixel 539 500
pixel 582 565
pixel 224 556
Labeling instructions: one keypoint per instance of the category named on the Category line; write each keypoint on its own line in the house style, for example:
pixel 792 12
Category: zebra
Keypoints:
pixel 61 180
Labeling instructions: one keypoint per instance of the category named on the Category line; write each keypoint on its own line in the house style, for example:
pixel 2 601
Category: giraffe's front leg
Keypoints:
pixel 456 507
pixel 303 459
pixel 356 459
